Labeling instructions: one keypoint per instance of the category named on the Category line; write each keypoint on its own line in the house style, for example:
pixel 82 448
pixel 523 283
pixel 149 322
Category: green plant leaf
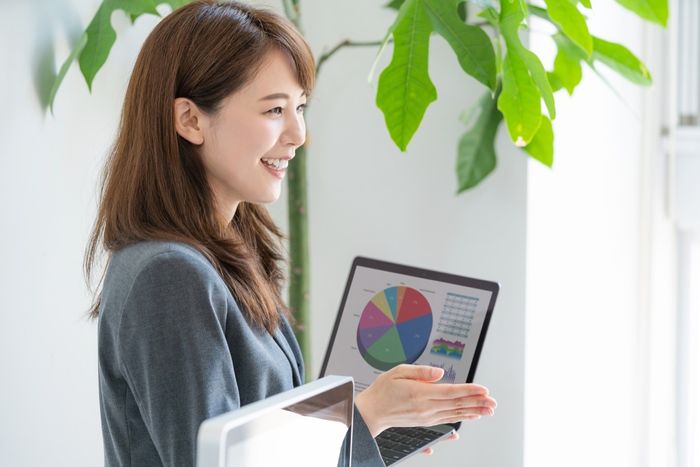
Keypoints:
pixel 471 44
pixel 100 38
pixel 539 75
pixel 490 15
pixel 405 90
pixel 485 3
pixel 520 99
pixel 620 59
pixel 394 4
pixel 539 12
pixel 175 4
pixel 77 49
pixel 586 3
pixel 541 147
pixel 94 45
pixel 567 63
pixel 571 22
pixel 512 15
pixel 101 35
pixel 476 154
pixel 554 81
pixel 462 11
pixel 403 8
pixel 655 11
pixel 615 56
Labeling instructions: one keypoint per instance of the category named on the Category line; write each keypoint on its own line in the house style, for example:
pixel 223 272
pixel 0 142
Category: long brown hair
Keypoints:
pixel 154 186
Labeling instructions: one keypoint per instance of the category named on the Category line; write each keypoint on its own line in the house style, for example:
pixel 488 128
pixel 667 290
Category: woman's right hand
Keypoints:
pixel 407 396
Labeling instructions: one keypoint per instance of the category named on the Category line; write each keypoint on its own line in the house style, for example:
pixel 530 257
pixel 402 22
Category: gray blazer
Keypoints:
pixel 175 349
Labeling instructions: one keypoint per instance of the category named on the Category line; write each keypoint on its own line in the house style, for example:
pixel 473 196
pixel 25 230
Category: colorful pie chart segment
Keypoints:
pixel 394 327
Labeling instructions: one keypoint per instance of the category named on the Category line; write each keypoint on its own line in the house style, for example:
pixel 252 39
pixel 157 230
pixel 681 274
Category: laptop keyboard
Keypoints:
pixel 397 443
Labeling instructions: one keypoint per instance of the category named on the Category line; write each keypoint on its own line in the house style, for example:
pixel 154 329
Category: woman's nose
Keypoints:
pixel 295 130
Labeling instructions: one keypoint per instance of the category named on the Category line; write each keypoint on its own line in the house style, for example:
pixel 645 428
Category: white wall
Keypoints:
pixel 365 198
pixel 48 174
pixel 594 226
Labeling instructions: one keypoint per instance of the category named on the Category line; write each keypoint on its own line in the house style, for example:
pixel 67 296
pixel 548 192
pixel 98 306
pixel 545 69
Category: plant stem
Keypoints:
pixel 538 11
pixel 297 214
pixel 340 45
pixel 299 252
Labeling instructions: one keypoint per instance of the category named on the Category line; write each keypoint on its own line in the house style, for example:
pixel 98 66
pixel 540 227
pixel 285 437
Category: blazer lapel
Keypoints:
pixel 284 345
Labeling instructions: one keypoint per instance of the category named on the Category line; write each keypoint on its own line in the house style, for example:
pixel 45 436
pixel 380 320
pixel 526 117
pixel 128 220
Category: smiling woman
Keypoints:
pixel 183 75
pixel 250 138
pixel 191 321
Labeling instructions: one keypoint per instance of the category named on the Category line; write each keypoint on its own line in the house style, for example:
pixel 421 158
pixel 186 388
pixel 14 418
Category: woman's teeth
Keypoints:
pixel 276 163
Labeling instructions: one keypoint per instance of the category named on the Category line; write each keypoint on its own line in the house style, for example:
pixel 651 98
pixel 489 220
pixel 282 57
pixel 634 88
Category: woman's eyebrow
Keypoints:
pixel 279 95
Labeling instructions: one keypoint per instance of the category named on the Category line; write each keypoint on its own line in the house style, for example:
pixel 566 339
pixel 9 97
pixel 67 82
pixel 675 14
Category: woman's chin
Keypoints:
pixel 269 198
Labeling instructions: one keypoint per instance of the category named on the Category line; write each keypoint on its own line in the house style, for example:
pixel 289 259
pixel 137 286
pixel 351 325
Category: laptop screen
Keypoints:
pixel 392 314
pixel 305 426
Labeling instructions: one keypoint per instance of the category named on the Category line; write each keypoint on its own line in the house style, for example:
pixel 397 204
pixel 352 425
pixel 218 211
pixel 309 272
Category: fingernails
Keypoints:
pixel 437 372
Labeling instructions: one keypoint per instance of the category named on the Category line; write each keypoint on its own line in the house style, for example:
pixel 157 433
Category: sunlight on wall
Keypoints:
pixel 583 387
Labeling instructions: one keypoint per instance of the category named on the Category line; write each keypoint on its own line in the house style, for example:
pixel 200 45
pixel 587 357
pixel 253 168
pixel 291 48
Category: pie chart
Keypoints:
pixel 394 327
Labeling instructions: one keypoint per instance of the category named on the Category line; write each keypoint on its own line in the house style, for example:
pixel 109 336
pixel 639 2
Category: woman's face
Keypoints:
pixel 249 142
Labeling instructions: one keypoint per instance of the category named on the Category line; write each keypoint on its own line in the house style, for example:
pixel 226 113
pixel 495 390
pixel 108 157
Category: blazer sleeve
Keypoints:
pixel 174 353
pixel 365 452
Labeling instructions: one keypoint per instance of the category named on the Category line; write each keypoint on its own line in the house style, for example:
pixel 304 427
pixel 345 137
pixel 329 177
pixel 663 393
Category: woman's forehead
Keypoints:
pixel 275 76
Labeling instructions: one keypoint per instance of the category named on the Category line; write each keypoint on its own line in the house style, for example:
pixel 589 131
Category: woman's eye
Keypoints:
pixel 278 110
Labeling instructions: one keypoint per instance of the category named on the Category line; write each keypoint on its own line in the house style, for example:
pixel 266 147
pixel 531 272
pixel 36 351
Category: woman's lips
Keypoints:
pixel 277 173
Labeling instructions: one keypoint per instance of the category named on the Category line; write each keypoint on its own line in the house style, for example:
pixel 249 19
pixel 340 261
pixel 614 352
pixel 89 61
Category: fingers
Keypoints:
pixel 406 396
pixel 458 419
pixel 467 405
pixel 453 437
pixel 455 391
pixel 419 372
pixel 464 402
pixel 435 403
pixel 458 414
pixel 436 391
pixel 465 411
pixel 455 417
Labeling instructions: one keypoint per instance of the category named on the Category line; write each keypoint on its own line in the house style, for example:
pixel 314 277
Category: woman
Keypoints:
pixel 191 319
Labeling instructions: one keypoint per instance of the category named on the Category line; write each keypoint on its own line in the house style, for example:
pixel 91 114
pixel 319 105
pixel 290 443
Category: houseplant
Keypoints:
pixel 485 36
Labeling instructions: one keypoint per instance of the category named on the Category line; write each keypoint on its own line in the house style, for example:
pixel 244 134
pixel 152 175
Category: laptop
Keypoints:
pixel 392 314
pixel 308 425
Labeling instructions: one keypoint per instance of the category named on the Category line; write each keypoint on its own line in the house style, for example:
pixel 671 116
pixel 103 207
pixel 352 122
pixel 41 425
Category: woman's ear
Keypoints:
pixel 188 120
